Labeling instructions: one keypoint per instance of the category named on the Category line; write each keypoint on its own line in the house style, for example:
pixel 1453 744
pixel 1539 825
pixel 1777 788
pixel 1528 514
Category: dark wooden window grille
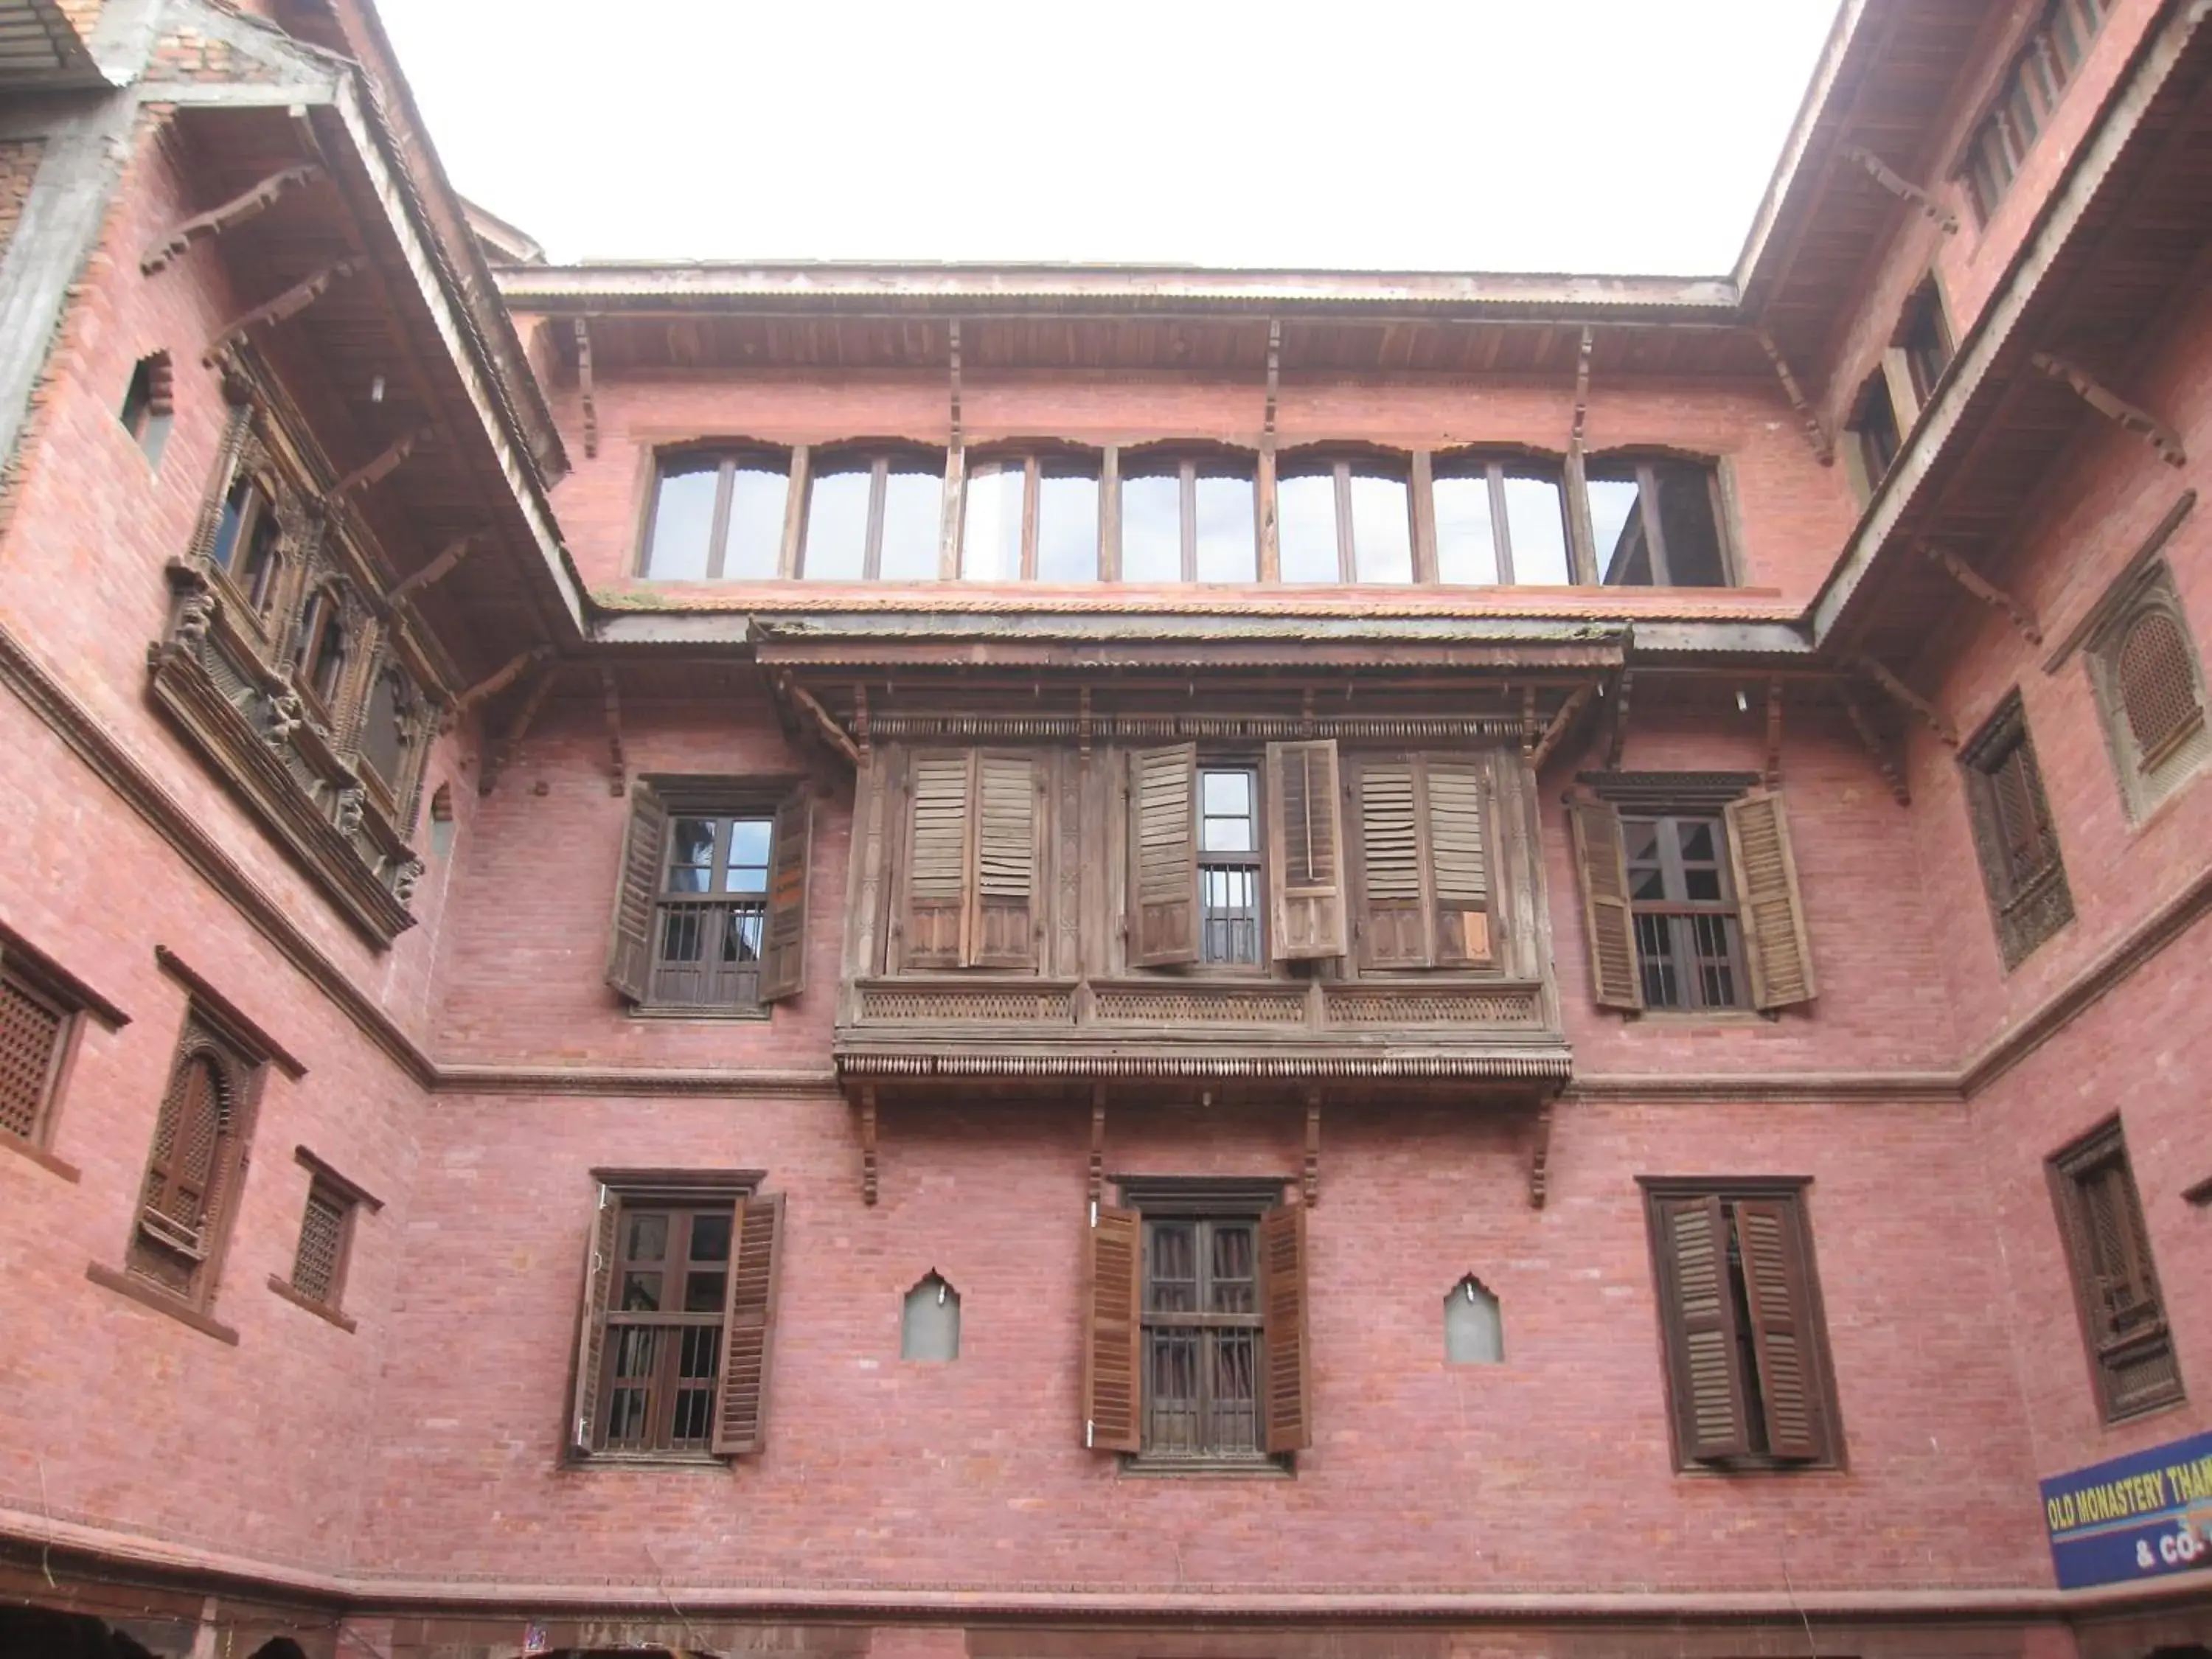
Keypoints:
pixel 1873 427
pixel 1189 519
pixel 1688 942
pixel 873 516
pixel 1345 519
pixel 1925 339
pixel 1658 524
pixel 1501 520
pixel 1202 1338
pixel 1031 518
pixel 325 1228
pixel 34 1032
pixel 2029 91
pixel 1229 865
pixel 717 515
pixel 192 1175
pixel 2123 1324
pixel 711 921
pixel 2014 836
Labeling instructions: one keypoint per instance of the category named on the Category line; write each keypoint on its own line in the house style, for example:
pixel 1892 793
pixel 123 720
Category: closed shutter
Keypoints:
pixel 183 1175
pixel 1393 930
pixel 1005 928
pixel 1305 847
pixel 1163 856
pixel 749 1325
pixel 1459 862
pixel 1698 1310
pixel 1602 873
pixel 1284 1337
pixel 1780 954
pixel 783 947
pixel 2023 816
pixel 592 1324
pixel 1113 1334
pixel 937 861
pixel 629 939
pixel 1776 1286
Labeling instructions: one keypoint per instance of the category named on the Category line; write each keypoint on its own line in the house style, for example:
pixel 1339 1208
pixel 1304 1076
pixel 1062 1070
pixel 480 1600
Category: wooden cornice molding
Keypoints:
pixel 734 1082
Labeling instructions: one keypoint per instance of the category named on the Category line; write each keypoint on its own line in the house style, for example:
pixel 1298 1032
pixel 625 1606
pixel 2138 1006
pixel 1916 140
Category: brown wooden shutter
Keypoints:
pixel 629 940
pixel 1306 850
pixel 1777 1288
pixel 938 861
pixel 1113 1335
pixel 1602 873
pixel 1164 856
pixel 1284 1336
pixel 591 1323
pixel 1698 1311
pixel 1779 953
pixel 783 946
pixel 1459 861
pixel 1003 933
pixel 1394 922
pixel 749 1325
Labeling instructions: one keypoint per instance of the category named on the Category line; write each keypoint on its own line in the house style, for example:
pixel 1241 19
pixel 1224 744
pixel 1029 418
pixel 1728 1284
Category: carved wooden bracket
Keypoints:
pixel 1984 590
pixel 585 387
pixel 1097 1141
pixel 1582 388
pixel 860 720
pixel 1824 447
pixel 502 756
pixel 868 1145
pixel 1912 699
pixel 500 678
pixel 1274 373
pixel 1891 773
pixel 618 771
pixel 824 721
pixel 290 303
pixel 1557 731
pixel 232 214
pixel 1903 187
pixel 953 349
pixel 382 467
pixel 2113 407
pixel 1540 1157
pixel 1312 1183
pixel 1774 730
pixel 436 571
pixel 1618 736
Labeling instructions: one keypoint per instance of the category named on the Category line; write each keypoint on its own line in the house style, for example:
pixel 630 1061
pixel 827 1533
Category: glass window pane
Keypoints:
pixel 1228 529
pixel 1226 794
pixel 704 1293
pixel 1067 523
pixel 710 1238
pixel 683 520
pixel 1536 522
pixel 1381 528
pixel 912 501
pixel 758 495
pixel 991 523
pixel 1688 529
pixel 1467 541
pixel 1151 528
pixel 648 1237
pixel 1305 527
pixel 641 1294
pixel 690 856
pixel 1617 526
pixel 747 871
pixel 836 527
pixel 226 526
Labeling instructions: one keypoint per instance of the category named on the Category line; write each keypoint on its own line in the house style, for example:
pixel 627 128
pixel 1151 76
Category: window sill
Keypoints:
pixel 282 1287
pixel 1758 1466
pixel 701 1016
pixel 159 1301
pixel 1146 1467
pixel 1714 1017
pixel 2129 1418
pixel 698 1463
pixel 44 1159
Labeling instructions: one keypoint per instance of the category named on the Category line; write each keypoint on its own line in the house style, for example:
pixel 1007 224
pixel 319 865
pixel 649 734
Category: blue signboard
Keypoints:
pixel 2137 1517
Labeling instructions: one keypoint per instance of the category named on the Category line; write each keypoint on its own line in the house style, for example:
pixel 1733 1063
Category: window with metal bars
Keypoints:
pixel 712 915
pixel 1682 901
pixel 660 1358
pixel 2124 1325
pixel 1229 865
pixel 36 1025
pixel 2015 835
pixel 1202 1338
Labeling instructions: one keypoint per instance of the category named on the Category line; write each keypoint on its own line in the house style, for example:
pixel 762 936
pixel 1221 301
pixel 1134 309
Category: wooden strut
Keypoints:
pixel 824 721
pixel 290 303
pixel 1540 1157
pixel 232 214
pixel 436 571
pixel 500 678
pixel 1619 733
pixel 382 467
pixel 1912 699
pixel 1097 1141
pixel 1898 185
pixel 952 351
pixel 2113 407
pixel 1312 1183
pixel 1984 590
pixel 584 385
pixel 1899 790
pixel 1582 388
pixel 618 773
pixel 1774 730
pixel 1557 729
pixel 1824 447
pixel 1274 373
pixel 868 1144
pixel 518 729
pixel 860 719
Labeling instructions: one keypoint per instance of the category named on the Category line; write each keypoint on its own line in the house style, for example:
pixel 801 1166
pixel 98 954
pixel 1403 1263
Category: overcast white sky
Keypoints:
pixel 1589 136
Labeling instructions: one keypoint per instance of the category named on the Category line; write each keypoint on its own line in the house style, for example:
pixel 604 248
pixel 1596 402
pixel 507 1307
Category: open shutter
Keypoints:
pixel 1113 1335
pixel 1005 934
pixel 1459 863
pixel 592 1324
pixel 1306 850
pixel 783 946
pixel 1393 923
pixel 629 940
pixel 1602 873
pixel 749 1325
pixel 1163 856
pixel 1778 1288
pixel 1699 1311
pixel 1775 944
pixel 937 861
pixel 1283 1309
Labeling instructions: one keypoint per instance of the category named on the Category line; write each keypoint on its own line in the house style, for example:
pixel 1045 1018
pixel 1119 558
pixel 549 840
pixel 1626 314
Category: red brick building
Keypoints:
pixel 1095 961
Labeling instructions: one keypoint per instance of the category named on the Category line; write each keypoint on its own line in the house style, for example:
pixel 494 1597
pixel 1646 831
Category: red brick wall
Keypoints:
pixel 19 164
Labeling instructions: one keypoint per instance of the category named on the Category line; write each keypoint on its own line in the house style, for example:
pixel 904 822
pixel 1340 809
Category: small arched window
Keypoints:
pixel 1031 517
pixel 2158 692
pixel 187 1174
pixel 1474 1329
pixel 2150 689
pixel 323 647
pixel 929 1328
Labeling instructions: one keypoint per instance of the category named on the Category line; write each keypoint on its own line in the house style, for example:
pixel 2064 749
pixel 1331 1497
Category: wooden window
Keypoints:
pixel 1739 1323
pixel 2014 836
pixel 1874 430
pixel 1423 863
pixel 873 515
pixel 1229 865
pixel 1345 519
pixel 1501 520
pixel 1925 339
pixel 1031 518
pixel 678 1318
pixel 2027 94
pixel 1304 852
pixel 322 650
pixel 2150 688
pixel 149 404
pixel 192 1174
pixel 2123 1326
pixel 248 545
pixel 324 1252
pixel 1688 940
pixel 1658 524
pixel 971 881
pixel 717 515
pixel 710 915
pixel 1189 518
pixel 38 1022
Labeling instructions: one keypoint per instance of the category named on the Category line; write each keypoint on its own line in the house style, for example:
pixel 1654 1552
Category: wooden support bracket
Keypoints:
pixel 585 387
pixel 1905 694
pixel 2113 407
pixel 1576 702
pixel 1984 590
pixel 1097 1141
pixel 1619 737
pixel 1824 447
pixel 824 721
pixel 1540 1157
pixel 1312 1183
pixel 1774 730
pixel 232 214
pixel 868 1144
pixel 618 770
pixel 290 303
pixel 436 571
pixel 952 349
pixel 500 678
pixel 502 756
pixel 1582 388
pixel 1891 773
pixel 1898 185
pixel 1274 373
pixel 860 720
pixel 382 467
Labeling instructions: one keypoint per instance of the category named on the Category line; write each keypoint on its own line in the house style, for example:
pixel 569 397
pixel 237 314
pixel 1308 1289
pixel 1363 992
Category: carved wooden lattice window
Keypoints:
pixel 318 1262
pixel 190 1191
pixel 2015 836
pixel 2150 689
pixel 35 1027
pixel 2123 1322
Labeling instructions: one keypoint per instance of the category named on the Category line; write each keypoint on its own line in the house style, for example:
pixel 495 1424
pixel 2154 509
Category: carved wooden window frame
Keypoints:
pixel 1495 465
pixel 2026 905
pixel 2148 778
pixel 1341 463
pixel 2125 1317
pixel 36 991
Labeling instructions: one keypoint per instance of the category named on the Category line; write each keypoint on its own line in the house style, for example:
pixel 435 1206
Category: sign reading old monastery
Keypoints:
pixel 2132 1517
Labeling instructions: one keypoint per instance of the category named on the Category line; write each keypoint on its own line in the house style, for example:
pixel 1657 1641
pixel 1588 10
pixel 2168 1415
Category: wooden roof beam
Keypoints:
pixel 1880 674
pixel 232 214
pixel 2129 417
pixel 584 384
pixel 1984 590
pixel 290 303
pixel 1816 435
pixel 1903 188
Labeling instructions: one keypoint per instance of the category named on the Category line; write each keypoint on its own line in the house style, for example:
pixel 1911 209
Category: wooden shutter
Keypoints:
pixel 591 1323
pixel 1698 1310
pixel 1004 932
pixel 1288 1382
pixel 1459 863
pixel 629 940
pixel 749 1325
pixel 184 1173
pixel 1113 1334
pixel 938 861
pixel 1393 921
pixel 1164 856
pixel 1306 850
pixel 1778 1288
pixel 1778 953
pixel 2158 692
pixel 1602 873
pixel 783 946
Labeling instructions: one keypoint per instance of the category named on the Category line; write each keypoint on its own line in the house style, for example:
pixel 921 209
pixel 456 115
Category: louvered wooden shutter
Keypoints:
pixel 1699 1311
pixel 749 1325
pixel 629 939
pixel 1459 861
pixel 1778 1288
pixel 1004 929
pixel 591 1323
pixel 1164 856
pixel 1306 850
pixel 1393 924
pixel 1776 945
pixel 1284 1335
pixel 1113 1335
pixel 938 861
pixel 1602 873
pixel 783 947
